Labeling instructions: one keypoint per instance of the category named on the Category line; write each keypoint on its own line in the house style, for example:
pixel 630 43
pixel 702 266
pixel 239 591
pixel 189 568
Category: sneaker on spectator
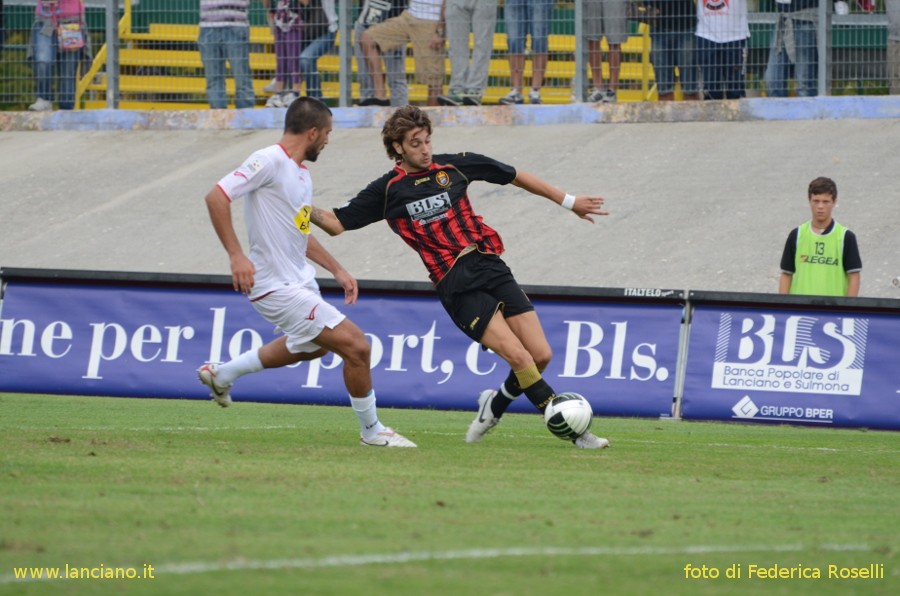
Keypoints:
pixel 270 88
pixel 609 96
pixel 590 441
pixel 450 99
pixel 596 96
pixel 207 375
pixel 534 96
pixel 511 98
pixel 387 438
pixel 471 99
pixel 282 100
pixel 275 101
pixel 41 105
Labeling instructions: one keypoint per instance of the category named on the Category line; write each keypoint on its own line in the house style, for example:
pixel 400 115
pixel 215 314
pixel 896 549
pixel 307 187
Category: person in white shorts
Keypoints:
pixel 277 276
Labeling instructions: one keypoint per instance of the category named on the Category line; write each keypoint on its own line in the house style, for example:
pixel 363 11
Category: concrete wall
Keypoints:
pixel 701 195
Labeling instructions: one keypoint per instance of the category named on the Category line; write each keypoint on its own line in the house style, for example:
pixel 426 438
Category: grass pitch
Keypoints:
pixel 281 499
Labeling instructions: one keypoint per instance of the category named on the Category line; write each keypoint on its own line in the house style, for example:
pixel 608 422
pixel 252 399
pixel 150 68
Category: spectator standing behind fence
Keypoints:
pixel 372 13
pixel 605 18
pixel 525 17
pixel 722 33
pixel 58 38
pixel 672 25
pixel 469 74
pixel 793 43
pixel 320 29
pixel 821 257
pixel 422 25
pixel 284 20
pixel 892 9
pixel 225 35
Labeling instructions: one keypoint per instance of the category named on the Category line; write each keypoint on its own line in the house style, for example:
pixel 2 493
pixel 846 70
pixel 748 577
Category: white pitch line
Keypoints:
pixel 143 429
pixel 491 553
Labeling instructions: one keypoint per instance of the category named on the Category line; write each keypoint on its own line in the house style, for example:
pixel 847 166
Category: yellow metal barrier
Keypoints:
pixel 133 56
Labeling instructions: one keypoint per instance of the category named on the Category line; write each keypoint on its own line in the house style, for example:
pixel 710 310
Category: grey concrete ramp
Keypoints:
pixel 695 202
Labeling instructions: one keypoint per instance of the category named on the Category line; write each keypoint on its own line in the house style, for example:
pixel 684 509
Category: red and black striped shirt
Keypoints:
pixel 431 210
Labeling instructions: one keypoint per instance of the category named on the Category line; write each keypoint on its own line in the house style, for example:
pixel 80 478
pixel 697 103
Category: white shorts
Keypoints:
pixel 300 313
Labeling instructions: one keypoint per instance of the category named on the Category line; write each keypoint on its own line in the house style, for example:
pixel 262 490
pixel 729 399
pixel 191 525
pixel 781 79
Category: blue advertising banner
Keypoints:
pixel 812 367
pixel 147 340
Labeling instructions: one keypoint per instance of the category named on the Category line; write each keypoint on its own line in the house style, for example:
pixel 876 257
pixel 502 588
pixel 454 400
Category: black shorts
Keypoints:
pixel 475 288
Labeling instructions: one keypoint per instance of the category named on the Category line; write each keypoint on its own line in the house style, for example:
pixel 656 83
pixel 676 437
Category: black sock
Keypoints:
pixel 512 385
pixel 509 390
pixel 540 395
pixel 499 404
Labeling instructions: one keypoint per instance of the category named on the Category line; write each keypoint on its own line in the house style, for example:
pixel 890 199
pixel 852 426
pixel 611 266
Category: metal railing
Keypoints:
pixel 851 52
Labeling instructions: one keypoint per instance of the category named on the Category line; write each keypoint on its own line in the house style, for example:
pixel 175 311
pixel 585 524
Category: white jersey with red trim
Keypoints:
pixel 278 201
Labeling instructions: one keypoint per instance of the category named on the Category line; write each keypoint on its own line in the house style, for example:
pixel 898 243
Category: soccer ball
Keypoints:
pixel 568 416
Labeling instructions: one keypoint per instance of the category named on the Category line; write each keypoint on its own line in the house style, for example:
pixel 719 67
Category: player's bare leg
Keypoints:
pixel 220 377
pixel 348 341
pixel 502 339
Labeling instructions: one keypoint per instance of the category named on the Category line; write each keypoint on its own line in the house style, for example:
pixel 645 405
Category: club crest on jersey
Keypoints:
pixel 442 178
pixel 301 220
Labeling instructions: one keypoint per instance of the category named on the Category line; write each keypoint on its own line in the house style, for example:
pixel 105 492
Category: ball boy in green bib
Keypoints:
pixel 821 257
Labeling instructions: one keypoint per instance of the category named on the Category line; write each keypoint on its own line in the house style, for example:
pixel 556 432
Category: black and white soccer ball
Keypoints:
pixel 568 416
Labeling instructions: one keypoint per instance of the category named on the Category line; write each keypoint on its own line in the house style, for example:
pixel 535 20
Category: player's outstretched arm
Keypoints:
pixel 583 205
pixel 242 269
pixel 327 220
pixel 317 253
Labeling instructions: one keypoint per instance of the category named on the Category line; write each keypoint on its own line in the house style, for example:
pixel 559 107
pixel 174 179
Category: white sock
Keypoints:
pixel 246 363
pixel 364 408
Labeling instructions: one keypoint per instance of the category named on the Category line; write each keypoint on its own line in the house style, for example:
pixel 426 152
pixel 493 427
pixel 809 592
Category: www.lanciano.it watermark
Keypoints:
pixel 76 572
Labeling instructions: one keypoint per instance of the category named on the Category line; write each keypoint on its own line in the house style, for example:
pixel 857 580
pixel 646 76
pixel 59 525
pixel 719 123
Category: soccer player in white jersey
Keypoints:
pixel 277 276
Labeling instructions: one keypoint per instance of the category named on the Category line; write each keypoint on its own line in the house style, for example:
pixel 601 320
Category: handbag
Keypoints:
pixel 71 36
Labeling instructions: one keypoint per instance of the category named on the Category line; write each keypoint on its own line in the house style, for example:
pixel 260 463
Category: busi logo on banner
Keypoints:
pixel 811 367
pixel 793 354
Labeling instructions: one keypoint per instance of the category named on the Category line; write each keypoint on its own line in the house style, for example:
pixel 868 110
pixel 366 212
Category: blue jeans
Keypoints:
pixel 50 62
pixel 524 17
pixel 394 65
pixel 778 69
pixel 308 57
pixel 722 65
pixel 668 50
pixel 218 44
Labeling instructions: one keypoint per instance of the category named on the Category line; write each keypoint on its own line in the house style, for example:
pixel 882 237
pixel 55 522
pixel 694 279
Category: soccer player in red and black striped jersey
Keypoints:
pixel 424 199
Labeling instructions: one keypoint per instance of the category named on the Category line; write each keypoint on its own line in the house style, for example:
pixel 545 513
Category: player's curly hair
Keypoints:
pixel 400 122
